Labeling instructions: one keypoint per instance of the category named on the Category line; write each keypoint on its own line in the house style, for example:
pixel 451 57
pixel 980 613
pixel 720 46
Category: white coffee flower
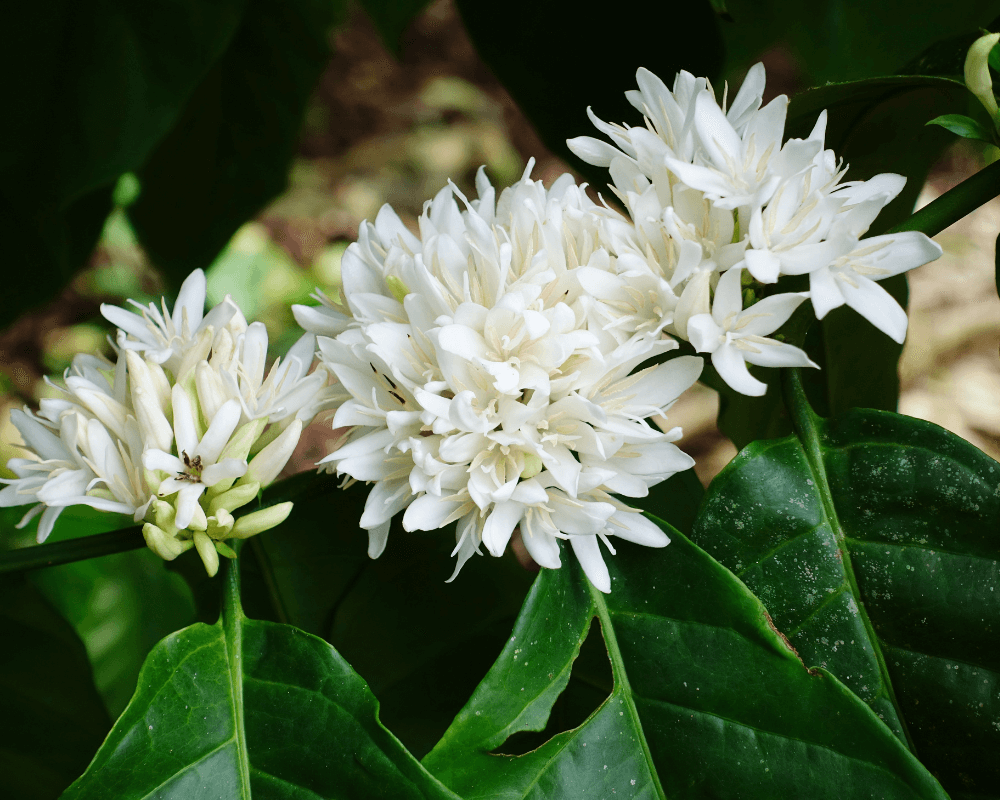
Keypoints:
pixel 736 336
pixel 710 189
pixel 167 337
pixel 179 433
pixel 486 385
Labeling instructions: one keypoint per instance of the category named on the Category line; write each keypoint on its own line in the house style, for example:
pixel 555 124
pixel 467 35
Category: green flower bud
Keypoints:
pixel 225 550
pixel 397 287
pixel 260 521
pixel 977 72
pixel 220 525
pixel 234 498
pixel 165 545
pixel 206 550
pixel 532 466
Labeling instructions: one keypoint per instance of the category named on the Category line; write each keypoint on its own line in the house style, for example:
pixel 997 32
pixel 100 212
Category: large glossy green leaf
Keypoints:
pixel 246 709
pixel 420 643
pixel 874 541
pixel 708 700
pixel 53 718
pixel 231 151
pixel 91 89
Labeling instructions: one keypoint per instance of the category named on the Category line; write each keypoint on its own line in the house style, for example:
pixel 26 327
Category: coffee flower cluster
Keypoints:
pixel 721 208
pixel 480 385
pixel 501 368
pixel 183 429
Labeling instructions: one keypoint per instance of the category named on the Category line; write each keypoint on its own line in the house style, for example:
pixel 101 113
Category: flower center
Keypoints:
pixel 192 468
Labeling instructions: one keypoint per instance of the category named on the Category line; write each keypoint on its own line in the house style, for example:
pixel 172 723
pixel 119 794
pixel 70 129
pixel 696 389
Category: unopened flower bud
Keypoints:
pixel 165 545
pixel 977 72
pixel 200 350
pixel 260 521
pixel 272 459
pixel 220 524
pixel 163 515
pixel 234 498
pixel 397 287
pixel 206 550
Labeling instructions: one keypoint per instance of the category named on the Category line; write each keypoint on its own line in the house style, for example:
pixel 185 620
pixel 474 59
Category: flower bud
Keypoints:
pixel 234 498
pixel 206 550
pixel 271 460
pixel 149 377
pixel 211 393
pixel 163 515
pixel 260 521
pixel 199 351
pixel 153 425
pixel 977 72
pixel 220 525
pixel 165 545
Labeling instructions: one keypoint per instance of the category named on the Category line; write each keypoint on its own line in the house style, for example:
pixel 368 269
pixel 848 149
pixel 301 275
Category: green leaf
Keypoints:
pixel 231 150
pixel 835 40
pixel 53 718
pixel 554 85
pixel 873 538
pixel 994 57
pixel 708 700
pixel 392 18
pixel 964 126
pixel 92 90
pixel 245 708
pixel 121 605
pixel 420 643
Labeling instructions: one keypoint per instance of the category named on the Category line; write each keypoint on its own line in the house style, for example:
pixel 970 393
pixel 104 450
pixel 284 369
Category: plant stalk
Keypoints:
pixel 957 202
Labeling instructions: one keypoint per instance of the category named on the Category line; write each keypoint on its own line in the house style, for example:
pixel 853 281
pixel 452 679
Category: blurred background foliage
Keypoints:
pixel 252 137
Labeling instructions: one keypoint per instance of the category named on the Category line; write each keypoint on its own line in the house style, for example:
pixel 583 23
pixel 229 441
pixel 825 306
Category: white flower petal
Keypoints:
pixel 729 363
pixel 877 306
pixel 588 552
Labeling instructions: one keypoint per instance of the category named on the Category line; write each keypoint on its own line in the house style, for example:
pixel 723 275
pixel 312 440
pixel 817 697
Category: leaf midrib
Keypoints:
pixel 804 423
pixel 231 622
pixel 622 682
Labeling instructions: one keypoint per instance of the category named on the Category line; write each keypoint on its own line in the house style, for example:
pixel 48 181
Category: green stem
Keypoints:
pixel 956 203
pixel 231 622
pixel 53 553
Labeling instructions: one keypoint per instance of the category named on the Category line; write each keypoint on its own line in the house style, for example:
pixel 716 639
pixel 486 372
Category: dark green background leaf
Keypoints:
pixel 231 150
pixel 53 718
pixel 873 541
pixel 244 706
pixel 708 700
pixel 841 40
pixel 121 606
pixel 91 90
pixel 537 49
